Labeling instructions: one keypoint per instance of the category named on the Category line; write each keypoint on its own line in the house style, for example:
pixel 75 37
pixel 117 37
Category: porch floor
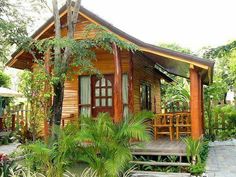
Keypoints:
pixel 162 146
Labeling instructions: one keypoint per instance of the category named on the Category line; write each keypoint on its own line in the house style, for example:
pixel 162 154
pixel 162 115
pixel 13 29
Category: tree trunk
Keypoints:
pixel 58 102
pixel 62 61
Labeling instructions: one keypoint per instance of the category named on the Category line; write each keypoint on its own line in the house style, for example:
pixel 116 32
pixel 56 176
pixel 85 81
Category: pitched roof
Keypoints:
pixel 173 62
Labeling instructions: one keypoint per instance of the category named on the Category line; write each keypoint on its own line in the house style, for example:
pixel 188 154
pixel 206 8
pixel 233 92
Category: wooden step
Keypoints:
pixel 154 163
pixel 137 173
pixel 158 153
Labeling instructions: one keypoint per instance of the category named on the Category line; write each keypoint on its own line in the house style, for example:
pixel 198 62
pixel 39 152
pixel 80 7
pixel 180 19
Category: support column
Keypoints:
pixel 47 88
pixel 202 106
pixel 131 85
pixel 195 106
pixel 118 102
pixel 200 103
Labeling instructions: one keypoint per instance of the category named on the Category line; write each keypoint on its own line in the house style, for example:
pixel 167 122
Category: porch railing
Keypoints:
pixel 15 116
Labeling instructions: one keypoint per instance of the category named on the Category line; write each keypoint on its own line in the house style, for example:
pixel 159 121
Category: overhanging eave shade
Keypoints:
pixel 5 92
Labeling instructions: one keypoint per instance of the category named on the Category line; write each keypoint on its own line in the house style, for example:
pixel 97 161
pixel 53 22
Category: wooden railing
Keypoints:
pixel 67 118
pixel 15 116
pixel 217 123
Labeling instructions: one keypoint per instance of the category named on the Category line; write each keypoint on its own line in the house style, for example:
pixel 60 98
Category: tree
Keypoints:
pixel 68 52
pixel 225 66
pixel 5 80
pixel 14 21
pixel 62 60
pixel 176 47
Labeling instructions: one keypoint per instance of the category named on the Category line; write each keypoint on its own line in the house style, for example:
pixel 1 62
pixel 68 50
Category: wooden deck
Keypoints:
pixel 161 146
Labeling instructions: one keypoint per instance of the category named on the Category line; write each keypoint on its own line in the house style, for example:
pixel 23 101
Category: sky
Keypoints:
pixel 191 23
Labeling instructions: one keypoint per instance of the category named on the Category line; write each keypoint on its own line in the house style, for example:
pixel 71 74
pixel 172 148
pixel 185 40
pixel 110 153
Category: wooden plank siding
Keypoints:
pixel 105 64
pixel 144 71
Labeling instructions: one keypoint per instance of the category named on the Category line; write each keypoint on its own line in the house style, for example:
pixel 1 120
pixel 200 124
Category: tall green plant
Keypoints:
pixel 193 148
pixel 108 151
pixel 104 145
pixel 33 85
pixel 53 158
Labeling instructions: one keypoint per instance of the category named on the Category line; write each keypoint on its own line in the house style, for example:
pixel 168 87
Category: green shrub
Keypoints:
pixel 193 148
pixel 204 150
pixel 197 169
pixel 100 143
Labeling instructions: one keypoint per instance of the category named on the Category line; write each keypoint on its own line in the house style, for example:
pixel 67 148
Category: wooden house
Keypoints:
pixel 131 81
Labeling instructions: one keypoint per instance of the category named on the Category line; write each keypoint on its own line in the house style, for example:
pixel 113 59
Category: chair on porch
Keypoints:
pixel 163 125
pixel 182 124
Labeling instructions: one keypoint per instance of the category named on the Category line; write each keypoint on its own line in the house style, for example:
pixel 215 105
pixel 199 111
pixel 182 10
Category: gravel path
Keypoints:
pixel 222 159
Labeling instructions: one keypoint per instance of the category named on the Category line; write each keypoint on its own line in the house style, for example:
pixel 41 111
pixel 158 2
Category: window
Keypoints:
pixel 85 95
pixel 145 96
pixel 125 84
pixel 103 93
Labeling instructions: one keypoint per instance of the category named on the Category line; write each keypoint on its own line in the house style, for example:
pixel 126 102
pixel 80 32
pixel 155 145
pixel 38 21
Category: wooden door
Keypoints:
pixel 102 95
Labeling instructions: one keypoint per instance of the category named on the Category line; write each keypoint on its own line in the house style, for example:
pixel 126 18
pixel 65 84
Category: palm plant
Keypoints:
pixel 108 151
pixel 54 157
pixel 193 148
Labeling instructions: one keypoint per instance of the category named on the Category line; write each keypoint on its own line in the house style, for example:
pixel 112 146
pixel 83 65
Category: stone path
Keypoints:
pixel 222 159
pixel 8 149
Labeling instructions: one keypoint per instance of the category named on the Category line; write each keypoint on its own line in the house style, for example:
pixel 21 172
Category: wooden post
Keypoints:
pixel 195 105
pixel 202 109
pixel 200 103
pixel 13 122
pixel 118 102
pixel 47 88
pixel 131 84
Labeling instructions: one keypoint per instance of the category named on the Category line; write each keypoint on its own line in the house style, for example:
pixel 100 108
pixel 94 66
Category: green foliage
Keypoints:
pixel 82 51
pixel 53 158
pixel 176 47
pixel 173 93
pixel 204 151
pixel 7 168
pixel 5 80
pixel 197 169
pixel 193 148
pixel 105 146
pixel 109 152
pixel 226 122
pixel 36 88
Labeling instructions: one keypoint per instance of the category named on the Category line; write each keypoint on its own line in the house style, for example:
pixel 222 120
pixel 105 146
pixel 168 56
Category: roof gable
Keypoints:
pixel 168 59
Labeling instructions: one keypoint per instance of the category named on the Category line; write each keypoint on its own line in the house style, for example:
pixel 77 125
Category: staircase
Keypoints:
pixel 180 159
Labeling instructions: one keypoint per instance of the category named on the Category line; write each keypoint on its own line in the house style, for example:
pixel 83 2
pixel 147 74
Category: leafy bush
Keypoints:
pixel 54 157
pixel 108 150
pixel 103 145
pixel 204 151
pixel 229 113
pixel 197 169
pixel 193 148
